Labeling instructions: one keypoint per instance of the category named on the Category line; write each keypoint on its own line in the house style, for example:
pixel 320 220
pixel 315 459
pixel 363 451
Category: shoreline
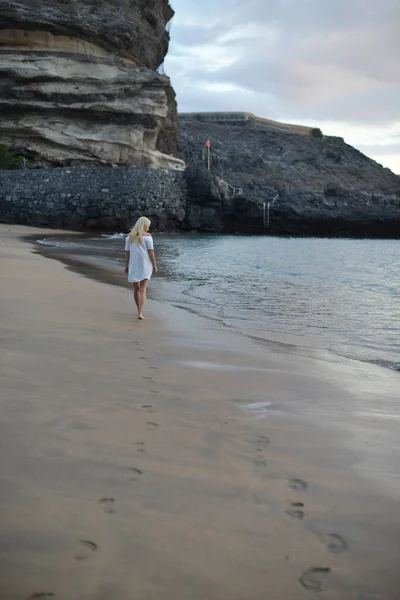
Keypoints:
pixel 355 375
pixel 374 380
pixel 104 270
pixel 148 443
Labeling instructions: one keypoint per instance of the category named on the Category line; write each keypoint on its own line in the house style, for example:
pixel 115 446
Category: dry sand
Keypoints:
pixel 131 470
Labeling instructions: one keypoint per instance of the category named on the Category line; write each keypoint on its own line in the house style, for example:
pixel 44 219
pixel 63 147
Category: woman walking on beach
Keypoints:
pixel 140 261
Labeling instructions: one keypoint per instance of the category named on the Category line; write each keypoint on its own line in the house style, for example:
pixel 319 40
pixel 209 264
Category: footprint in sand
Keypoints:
pixel 142 358
pixel 151 425
pixel 154 368
pixel 149 379
pixel 147 407
pixel 296 511
pixel 335 543
pixel 228 422
pixel 298 485
pixel 260 464
pixel 262 441
pixel 259 499
pixel 313 579
pixel 87 548
pixel 140 447
pixel 108 504
pixel 135 474
pixel 154 392
pixel 42 595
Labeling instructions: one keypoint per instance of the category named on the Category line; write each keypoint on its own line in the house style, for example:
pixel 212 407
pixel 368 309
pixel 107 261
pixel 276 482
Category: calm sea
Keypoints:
pixel 339 295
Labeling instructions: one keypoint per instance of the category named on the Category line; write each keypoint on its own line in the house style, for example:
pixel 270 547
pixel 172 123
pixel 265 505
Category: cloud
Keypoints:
pixel 330 61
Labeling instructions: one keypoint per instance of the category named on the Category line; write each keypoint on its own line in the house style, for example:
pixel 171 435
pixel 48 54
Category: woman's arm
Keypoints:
pixel 152 256
pixel 127 257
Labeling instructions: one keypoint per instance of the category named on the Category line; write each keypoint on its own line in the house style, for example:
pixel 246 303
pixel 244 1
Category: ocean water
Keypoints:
pixel 339 295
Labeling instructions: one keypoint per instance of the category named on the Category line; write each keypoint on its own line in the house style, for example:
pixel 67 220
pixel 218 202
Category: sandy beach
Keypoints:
pixel 169 459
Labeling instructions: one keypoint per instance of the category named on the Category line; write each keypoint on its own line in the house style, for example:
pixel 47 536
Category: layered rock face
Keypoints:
pixel 78 82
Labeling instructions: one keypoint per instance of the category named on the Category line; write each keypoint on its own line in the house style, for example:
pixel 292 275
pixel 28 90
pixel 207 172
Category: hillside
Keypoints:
pixel 253 158
pixel 325 186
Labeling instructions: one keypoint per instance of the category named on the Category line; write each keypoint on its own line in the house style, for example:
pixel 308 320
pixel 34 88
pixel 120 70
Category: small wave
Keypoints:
pixel 395 366
pixel 62 244
pixel 45 243
pixel 57 244
pixel 113 236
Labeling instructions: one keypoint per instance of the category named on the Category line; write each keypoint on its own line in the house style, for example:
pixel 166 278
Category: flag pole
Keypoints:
pixel 208 146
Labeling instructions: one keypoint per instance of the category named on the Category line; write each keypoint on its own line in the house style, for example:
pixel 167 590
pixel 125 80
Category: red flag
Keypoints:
pixel 208 144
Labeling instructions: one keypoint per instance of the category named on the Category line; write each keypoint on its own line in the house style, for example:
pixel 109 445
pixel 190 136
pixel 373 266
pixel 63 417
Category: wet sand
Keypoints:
pixel 135 464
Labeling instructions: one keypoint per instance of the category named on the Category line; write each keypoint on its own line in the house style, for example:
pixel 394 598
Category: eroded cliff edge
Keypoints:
pixel 78 82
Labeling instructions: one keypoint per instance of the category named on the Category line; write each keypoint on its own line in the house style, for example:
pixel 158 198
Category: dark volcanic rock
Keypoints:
pixel 110 199
pixel 104 199
pixel 358 198
pixel 324 186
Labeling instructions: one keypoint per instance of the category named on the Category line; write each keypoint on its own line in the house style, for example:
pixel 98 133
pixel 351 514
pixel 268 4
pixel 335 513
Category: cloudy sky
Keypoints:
pixel 334 64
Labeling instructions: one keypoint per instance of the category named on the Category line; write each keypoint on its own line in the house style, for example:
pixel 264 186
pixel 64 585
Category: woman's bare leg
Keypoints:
pixel 136 294
pixel 143 297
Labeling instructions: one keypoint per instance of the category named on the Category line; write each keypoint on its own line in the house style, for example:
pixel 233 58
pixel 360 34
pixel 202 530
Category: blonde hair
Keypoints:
pixel 141 227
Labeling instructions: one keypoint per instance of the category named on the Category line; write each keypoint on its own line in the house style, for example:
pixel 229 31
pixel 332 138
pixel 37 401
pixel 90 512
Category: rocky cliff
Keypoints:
pixel 104 199
pixel 110 199
pixel 78 82
pixel 321 185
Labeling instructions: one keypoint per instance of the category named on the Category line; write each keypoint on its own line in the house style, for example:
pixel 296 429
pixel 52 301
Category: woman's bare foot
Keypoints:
pixel 141 318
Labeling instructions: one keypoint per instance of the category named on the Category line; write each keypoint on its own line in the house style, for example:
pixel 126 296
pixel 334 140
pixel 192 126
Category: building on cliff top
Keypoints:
pixel 244 118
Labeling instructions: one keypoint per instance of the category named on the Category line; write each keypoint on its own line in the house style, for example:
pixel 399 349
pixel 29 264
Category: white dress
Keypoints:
pixel 140 266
